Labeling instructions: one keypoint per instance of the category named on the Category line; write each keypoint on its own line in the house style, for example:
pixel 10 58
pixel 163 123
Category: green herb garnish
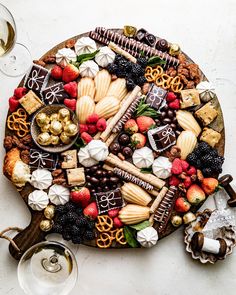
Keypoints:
pixel 84 57
pixel 79 143
pixel 144 109
pixel 140 225
pixel 146 170
pixel 155 60
pixel 130 236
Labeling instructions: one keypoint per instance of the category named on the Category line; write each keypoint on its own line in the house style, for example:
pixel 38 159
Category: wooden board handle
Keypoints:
pixel 30 236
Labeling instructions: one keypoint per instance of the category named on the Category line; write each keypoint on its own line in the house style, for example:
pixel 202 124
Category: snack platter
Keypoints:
pixel 111 138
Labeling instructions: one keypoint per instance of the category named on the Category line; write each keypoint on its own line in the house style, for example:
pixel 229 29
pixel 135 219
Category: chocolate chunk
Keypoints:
pixel 37 78
pixel 162 45
pixel 161 138
pixel 156 96
pixel 141 35
pixel 40 159
pixel 108 200
pixel 54 94
pixel 150 40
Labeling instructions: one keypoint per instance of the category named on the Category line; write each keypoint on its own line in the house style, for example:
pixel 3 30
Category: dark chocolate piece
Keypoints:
pixel 37 78
pixel 54 94
pixel 155 96
pixel 162 45
pixel 161 138
pixel 163 212
pixel 40 159
pixel 141 35
pixel 150 40
pixel 109 200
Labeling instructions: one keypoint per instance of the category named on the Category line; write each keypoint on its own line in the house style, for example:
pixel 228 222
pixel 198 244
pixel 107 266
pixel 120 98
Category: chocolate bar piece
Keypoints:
pixel 161 138
pixel 109 200
pixel 155 96
pixel 163 212
pixel 37 78
pixel 40 159
pixel 54 94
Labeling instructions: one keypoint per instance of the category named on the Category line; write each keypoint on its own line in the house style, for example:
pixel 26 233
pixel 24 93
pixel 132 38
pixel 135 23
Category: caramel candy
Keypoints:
pixel 70 159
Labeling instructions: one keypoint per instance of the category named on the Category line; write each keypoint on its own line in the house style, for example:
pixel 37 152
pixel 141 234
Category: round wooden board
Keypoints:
pixel 32 233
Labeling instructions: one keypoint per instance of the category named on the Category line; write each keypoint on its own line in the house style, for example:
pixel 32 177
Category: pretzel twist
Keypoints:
pixel 17 122
pixel 104 224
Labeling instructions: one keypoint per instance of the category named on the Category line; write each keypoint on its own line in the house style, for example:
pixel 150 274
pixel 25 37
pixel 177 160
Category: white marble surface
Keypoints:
pixel 206 30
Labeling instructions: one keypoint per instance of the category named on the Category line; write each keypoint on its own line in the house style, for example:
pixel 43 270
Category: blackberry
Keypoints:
pixel 137 70
pixel 76 240
pixel 70 207
pixel 57 228
pixel 75 231
pixel 71 216
pixel 130 85
pixel 90 224
pixel 66 235
pixel 221 159
pixel 118 58
pixel 120 72
pixel 214 153
pixel 206 171
pixel 79 211
pixel 142 61
pixel 207 160
pixel 81 222
pixel 203 147
pixel 112 68
pixel 60 209
pixel 89 235
pixel 192 159
pixel 141 80
pixel 61 219
pixel 198 163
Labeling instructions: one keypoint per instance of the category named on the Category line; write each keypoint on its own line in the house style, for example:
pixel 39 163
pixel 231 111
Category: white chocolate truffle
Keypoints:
pixel 85 45
pixel 147 237
pixel 105 56
pixel 98 150
pixel 38 200
pixel 161 167
pixel 88 69
pixel 58 194
pixel 64 56
pixel 41 179
pixel 143 158
pixel 206 90
pixel 85 158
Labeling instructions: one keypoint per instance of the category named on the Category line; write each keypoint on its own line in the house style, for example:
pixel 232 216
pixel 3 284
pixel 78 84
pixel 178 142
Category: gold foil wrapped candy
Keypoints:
pixel 64 114
pixel 56 127
pixel 49 212
pixel 129 31
pixel 45 128
pixel 55 139
pixel 44 138
pixel 54 116
pixel 42 119
pixel 46 225
pixel 70 129
pixel 174 49
pixel 64 138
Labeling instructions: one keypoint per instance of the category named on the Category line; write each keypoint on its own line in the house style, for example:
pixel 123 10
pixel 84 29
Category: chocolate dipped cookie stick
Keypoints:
pixel 122 52
pixel 163 212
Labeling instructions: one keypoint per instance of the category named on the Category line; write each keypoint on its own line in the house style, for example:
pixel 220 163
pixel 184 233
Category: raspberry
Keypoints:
pixel 92 129
pixel 184 165
pixel 174 104
pixel 176 166
pixel 191 171
pixel 170 97
pixel 92 119
pixel 173 180
pixel 20 92
pixel 187 182
pixel 83 128
pixel 101 124
pixel 86 137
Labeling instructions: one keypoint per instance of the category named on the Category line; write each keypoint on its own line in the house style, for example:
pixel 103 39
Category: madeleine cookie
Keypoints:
pixel 86 87
pixel 107 107
pixel 84 107
pixel 186 141
pixel 189 98
pixel 207 113
pixel 102 82
pixel 188 122
pixel 118 88
pixel 210 136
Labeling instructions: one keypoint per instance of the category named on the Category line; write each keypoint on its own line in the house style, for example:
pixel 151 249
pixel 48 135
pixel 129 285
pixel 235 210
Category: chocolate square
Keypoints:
pixel 54 94
pixel 109 200
pixel 161 138
pixel 141 35
pixel 40 159
pixel 156 96
pixel 37 78
pixel 150 39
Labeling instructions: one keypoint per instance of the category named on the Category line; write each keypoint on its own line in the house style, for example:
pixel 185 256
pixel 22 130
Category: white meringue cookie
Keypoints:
pixel 64 56
pixel 98 150
pixel 147 237
pixel 41 179
pixel 206 90
pixel 143 158
pixel 38 200
pixel 88 69
pixel 85 158
pixel 85 45
pixel 58 194
pixel 105 56
pixel 161 167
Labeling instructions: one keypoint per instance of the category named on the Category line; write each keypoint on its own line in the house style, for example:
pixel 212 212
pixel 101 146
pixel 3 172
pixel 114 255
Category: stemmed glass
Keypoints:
pixel 47 268
pixel 15 58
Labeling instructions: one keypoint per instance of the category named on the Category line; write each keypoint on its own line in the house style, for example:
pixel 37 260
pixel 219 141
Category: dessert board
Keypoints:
pixel 134 123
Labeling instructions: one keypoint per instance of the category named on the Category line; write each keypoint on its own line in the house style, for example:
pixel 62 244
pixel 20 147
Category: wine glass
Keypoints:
pixel 47 268
pixel 15 58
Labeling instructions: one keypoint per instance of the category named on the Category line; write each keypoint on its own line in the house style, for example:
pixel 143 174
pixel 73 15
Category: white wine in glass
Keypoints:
pixel 15 58
pixel 47 268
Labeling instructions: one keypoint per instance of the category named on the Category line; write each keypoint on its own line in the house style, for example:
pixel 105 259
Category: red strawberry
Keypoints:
pixel 71 89
pixel 170 97
pixel 131 126
pixel 138 140
pixel 113 212
pixel 184 165
pixel 56 72
pixel 145 123
pixel 19 92
pixel 91 211
pixel 117 222
pixel 209 185
pixel 195 194
pixel 191 171
pixel 173 180
pixel 83 128
pixel 13 104
pixel 80 196
pixel 92 119
pixel 101 124
pixel 70 103
pixel 187 181
pixel 92 129
pixel 176 166
pixel 174 104
pixel 70 73
pixel 182 205
pixel 86 137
